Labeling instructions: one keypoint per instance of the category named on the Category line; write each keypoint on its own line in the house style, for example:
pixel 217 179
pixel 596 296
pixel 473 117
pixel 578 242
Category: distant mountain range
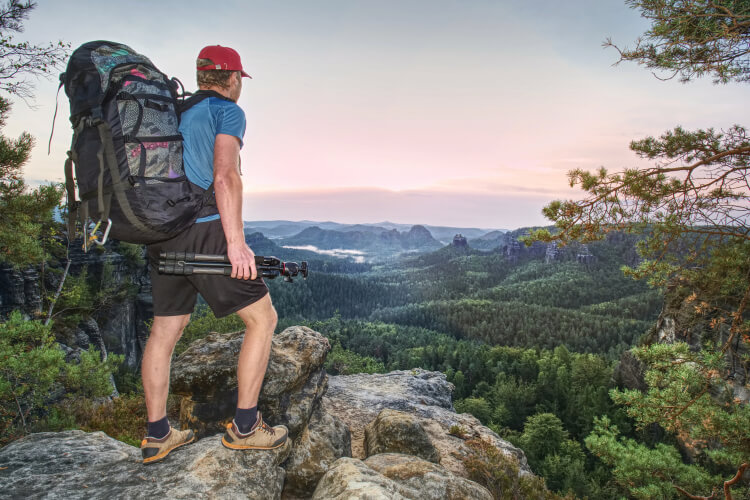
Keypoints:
pixel 362 242
pixel 284 228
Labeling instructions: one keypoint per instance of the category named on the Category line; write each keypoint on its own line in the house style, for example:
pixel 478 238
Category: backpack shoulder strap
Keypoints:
pixel 198 97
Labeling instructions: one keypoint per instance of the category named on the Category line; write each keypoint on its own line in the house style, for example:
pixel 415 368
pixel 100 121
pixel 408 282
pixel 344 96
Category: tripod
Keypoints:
pixel 186 263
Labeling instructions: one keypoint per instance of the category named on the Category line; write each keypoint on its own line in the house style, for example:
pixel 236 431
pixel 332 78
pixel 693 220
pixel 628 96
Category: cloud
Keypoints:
pixel 416 206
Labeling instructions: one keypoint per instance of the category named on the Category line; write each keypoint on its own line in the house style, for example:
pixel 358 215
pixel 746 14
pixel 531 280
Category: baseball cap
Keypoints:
pixel 224 58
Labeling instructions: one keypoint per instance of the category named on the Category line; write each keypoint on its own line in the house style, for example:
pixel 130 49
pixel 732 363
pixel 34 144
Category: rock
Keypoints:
pixel 351 479
pixel 398 432
pixel 324 440
pixel 426 479
pixel 206 376
pixel 76 464
pixel 395 476
pixel 118 332
pixel 19 290
pixel 358 399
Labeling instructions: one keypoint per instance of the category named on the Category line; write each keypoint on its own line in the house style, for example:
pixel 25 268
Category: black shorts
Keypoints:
pixel 176 295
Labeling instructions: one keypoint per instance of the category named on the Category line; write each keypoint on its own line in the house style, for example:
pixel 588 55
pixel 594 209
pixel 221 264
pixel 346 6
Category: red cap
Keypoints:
pixel 224 58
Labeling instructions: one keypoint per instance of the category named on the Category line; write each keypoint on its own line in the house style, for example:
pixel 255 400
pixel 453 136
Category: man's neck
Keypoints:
pixel 219 90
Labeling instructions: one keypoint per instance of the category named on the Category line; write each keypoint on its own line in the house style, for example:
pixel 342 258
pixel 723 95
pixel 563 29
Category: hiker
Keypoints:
pixel 213 130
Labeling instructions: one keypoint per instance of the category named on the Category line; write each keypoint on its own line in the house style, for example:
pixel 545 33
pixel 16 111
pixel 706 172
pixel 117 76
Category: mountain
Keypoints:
pixel 276 229
pixel 316 261
pixel 489 241
pixel 377 244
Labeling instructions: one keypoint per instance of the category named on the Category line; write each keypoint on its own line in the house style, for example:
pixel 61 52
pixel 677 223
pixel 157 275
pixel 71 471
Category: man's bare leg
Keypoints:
pixel 260 321
pixel 157 357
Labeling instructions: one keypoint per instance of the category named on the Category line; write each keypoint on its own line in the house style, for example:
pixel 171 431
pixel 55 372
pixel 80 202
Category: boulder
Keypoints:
pixel 395 476
pixel 324 440
pixel 76 464
pixel 358 399
pixel 426 479
pixel 206 376
pixel 351 479
pixel 398 432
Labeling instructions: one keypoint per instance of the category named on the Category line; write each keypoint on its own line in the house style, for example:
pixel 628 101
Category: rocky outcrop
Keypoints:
pixel 77 464
pixel 206 376
pixel 358 399
pixel 324 440
pixel 395 476
pixel 398 432
pixel 315 462
pixel 427 479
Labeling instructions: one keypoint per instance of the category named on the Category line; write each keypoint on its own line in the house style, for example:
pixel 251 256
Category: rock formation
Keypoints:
pixel 206 376
pixel 358 399
pixel 398 432
pixel 316 462
pixel 395 476
pixel 76 464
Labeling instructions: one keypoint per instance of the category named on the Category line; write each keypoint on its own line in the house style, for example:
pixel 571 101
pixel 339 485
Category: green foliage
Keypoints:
pixel 692 208
pixel 30 365
pixel 89 295
pixel 644 472
pixel 27 214
pixel 688 397
pixel 91 376
pixel 498 472
pixel 339 361
pixel 550 453
pixel 33 372
pixel 479 407
pixel 693 38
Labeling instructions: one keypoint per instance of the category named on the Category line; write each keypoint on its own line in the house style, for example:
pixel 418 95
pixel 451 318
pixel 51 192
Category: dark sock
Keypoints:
pixel 158 429
pixel 245 418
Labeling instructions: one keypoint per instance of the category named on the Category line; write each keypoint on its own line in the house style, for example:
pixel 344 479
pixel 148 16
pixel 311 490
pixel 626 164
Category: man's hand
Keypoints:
pixel 243 261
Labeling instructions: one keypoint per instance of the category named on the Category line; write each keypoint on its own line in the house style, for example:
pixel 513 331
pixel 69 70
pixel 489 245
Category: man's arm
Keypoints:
pixel 228 187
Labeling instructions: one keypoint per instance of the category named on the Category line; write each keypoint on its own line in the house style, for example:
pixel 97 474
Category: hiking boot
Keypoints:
pixel 261 436
pixel 153 449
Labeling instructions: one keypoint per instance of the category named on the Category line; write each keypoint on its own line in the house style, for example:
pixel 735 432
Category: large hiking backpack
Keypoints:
pixel 126 148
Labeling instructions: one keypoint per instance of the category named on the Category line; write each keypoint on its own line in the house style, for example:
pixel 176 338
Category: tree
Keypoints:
pixel 20 60
pixel 693 209
pixel 26 213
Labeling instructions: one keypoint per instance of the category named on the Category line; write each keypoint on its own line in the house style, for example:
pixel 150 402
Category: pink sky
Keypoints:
pixel 434 112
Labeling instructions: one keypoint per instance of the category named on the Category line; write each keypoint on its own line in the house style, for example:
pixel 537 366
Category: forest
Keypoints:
pixel 540 335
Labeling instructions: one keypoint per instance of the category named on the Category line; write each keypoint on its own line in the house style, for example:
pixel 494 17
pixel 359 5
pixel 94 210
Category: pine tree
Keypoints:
pixel 27 213
pixel 693 206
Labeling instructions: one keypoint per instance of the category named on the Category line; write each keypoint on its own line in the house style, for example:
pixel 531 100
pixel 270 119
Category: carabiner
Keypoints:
pixel 103 239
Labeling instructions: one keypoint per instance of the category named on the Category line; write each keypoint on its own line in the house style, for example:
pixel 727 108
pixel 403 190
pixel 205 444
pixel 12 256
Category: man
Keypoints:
pixel 213 130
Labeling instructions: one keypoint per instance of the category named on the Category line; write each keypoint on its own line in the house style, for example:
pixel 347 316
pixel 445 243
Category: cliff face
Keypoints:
pixel 359 436
pixel 19 290
pixel 120 329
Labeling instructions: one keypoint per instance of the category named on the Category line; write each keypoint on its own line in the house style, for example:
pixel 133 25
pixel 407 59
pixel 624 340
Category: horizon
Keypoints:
pixel 452 113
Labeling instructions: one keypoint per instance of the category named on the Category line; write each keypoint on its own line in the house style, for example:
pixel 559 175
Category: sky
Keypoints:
pixel 446 112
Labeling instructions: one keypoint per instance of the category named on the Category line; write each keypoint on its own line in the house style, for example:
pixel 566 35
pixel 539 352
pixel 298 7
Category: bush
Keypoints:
pixel 123 418
pixel 33 374
pixel 498 472
pixel 341 361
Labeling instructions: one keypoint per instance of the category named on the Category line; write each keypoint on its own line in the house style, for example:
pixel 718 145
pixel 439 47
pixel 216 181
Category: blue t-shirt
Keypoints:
pixel 199 126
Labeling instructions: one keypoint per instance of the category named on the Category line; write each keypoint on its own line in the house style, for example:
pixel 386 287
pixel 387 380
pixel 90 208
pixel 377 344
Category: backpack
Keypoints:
pixel 127 149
